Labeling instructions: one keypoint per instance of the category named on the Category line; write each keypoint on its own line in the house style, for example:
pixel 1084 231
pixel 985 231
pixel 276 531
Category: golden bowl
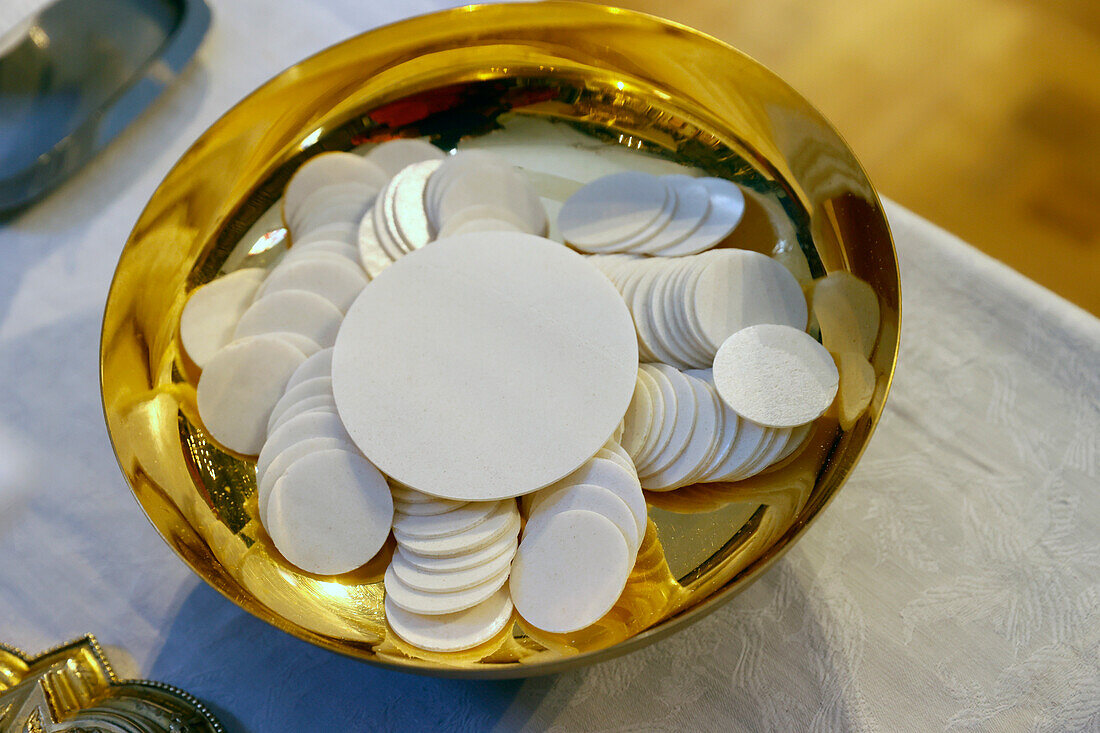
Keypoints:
pixel 620 83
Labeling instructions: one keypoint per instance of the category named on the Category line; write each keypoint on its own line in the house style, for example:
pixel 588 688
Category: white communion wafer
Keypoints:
pixel 699 452
pixel 404 493
pixel 506 357
pixel 426 582
pixel 776 376
pixel 639 417
pixel 434 603
pixel 212 311
pixel 394 155
pixel 404 204
pixel 266 479
pixel 306 345
pixel 345 209
pixel 504 520
pixel 476 213
pixel 317 365
pixel 569 574
pixel 795 440
pixel 730 422
pixel 502 185
pixel 618 458
pixel 740 288
pixel 329 246
pixel 506 543
pixel 426 508
pixel 319 403
pixel 452 632
pixel 683 419
pixel 727 206
pixel 295 311
pixel 339 232
pixel 310 388
pixel 484 225
pixel 240 385
pixel 443 525
pixel 327 169
pixel 611 209
pixel 591 498
pixel 303 427
pixel 658 418
pixel 640 241
pixel 608 475
pixel 692 207
pixel 330 512
pixel 338 282
pixel 354 195
pixel 770 455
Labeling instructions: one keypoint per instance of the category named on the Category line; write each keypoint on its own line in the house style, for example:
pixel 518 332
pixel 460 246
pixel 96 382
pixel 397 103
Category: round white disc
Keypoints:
pixel 265 480
pixel 295 311
pixel 435 603
pixel 211 314
pixel 330 246
pixel 303 427
pixel 505 544
pixel 639 418
pixel 683 419
pixel 426 582
pixel 569 574
pixel 608 475
pixel 317 365
pixel 452 632
pixel 442 525
pixel 591 498
pixel 338 283
pixel 504 520
pixel 700 446
pixel 741 288
pixel 426 508
pixel 340 232
pixel 727 205
pixel 506 358
pixel 478 213
pixel 612 208
pixel 240 385
pixel 326 169
pixel 330 512
pixel 320 403
pixel 775 375
pixel 316 387
pixel 393 156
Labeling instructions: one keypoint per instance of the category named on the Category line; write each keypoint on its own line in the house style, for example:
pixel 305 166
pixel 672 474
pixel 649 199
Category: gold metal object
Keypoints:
pixel 73 688
pixel 624 82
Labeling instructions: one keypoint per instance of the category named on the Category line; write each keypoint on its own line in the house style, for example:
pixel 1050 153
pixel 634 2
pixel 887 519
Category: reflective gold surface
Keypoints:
pixel 73 688
pixel 624 84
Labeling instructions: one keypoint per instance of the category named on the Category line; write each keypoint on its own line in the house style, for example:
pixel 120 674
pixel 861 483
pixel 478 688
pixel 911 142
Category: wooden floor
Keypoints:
pixel 982 115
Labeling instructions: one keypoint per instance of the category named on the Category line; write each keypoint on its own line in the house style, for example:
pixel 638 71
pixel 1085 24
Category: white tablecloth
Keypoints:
pixel 954 583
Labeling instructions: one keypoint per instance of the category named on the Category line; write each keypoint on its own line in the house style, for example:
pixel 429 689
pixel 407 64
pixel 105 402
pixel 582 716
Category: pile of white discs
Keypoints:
pixel 423 356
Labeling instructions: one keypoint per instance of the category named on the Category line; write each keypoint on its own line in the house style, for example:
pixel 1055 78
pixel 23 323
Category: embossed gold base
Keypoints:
pixel 73 688
pixel 615 84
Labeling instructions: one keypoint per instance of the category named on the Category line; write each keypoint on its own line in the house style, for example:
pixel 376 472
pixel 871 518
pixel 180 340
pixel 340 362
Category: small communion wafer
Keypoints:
pixel 212 311
pixel 265 480
pixel 504 520
pixel 589 498
pixel 683 419
pixel 426 508
pixel 606 474
pixel 699 451
pixel 426 582
pixel 775 375
pixel 317 403
pixel 393 156
pixel 443 525
pixel 327 169
pixel 740 288
pixel 318 386
pixel 295 311
pixel 317 365
pixel 506 543
pixel 433 603
pixel 611 209
pixel 303 427
pixel 239 387
pixel 570 573
pixel 327 246
pixel 337 281
pixel 340 232
pixel 452 632
pixel 330 512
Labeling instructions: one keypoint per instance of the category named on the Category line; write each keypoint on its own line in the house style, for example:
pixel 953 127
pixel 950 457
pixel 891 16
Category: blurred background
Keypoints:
pixel 982 115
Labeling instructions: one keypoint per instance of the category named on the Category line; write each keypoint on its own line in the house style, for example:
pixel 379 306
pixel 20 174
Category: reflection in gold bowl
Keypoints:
pixel 613 83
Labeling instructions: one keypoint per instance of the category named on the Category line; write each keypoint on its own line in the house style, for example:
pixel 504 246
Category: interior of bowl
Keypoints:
pixel 566 91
